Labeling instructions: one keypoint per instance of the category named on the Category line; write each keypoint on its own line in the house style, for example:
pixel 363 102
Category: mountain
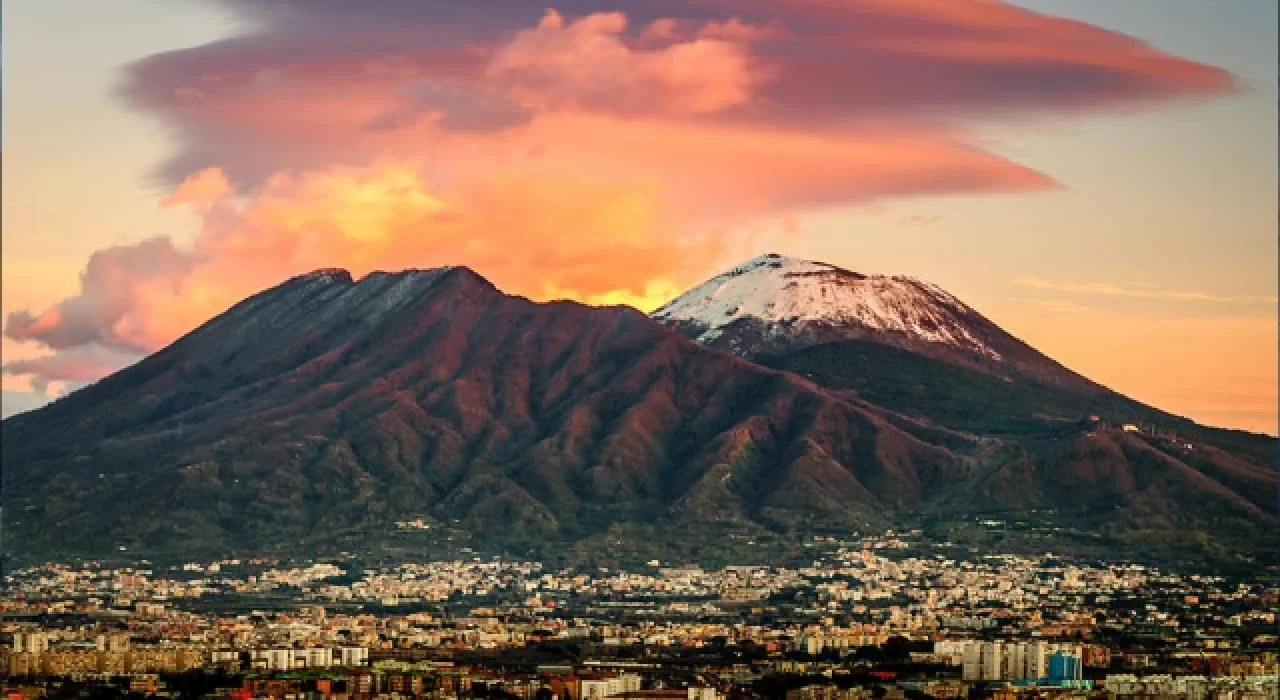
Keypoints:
pixel 772 305
pixel 324 410
pixel 912 349
pixel 908 346
pixel 315 416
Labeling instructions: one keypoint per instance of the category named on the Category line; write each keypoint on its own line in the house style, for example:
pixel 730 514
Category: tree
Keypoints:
pixel 896 649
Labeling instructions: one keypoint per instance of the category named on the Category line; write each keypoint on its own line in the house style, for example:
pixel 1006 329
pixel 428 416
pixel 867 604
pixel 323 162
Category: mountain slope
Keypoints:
pixel 977 402
pixel 909 348
pixel 315 415
pixel 326 406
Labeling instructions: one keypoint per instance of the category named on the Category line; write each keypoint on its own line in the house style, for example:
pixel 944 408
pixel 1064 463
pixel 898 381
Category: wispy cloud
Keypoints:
pixel 1055 305
pixel 1136 291
pixel 921 220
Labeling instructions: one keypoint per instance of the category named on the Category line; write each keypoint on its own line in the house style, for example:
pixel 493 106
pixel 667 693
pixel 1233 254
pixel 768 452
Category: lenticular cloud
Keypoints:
pixel 604 152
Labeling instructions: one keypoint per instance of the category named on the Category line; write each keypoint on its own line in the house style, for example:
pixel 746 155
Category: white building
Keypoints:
pixel 993 661
pixel 992 656
pixel 811 645
pixel 318 657
pixel 609 687
pixel 351 656
pixel 115 641
pixel 30 642
pixel 983 661
pixel 225 657
pixel 1195 687
pixel 312 658
pixel 273 659
pixel 971 666
pixel 1037 660
pixel 1014 664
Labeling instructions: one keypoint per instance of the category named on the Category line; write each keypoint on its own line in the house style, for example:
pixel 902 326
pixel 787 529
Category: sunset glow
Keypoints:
pixel 617 154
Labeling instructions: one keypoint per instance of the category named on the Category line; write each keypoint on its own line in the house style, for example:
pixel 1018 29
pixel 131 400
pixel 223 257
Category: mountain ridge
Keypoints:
pixel 773 304
pixel 320 411
pixel 488 407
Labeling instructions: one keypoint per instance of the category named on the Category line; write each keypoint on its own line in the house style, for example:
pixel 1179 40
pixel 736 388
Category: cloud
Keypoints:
pixel 921 220
pixel 581 64
pixel 451 107
pixel 71 366
pixel 506 223
pixel 200 190
pixel 576 152
pixel 1137 291
pixel 110 307
pixel 716 172
pixel 311 84
pixel 1054 305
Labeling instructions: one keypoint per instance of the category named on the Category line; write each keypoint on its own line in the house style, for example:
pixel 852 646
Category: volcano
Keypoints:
pixel 782 398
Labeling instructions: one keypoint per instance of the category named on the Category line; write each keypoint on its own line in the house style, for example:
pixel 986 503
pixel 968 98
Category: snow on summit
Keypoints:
pixel 786 292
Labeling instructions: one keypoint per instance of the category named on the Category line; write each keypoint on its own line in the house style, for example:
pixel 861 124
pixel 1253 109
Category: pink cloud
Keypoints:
pixel 585 64
pixel 112 287
pixel 816 65
pixel 201 189
pixel 510 224
pixel 84 364
pixel 582 152
pixel 74 366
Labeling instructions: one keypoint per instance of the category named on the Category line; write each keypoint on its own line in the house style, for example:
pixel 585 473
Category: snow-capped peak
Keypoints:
pixel 787 294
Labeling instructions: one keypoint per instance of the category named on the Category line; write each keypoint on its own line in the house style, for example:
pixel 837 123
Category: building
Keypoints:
pixel 992 658
pixel 1064 666
pixel 1014 664
pixel 610 686
pixel 827 692
pixel 971 663
pixel 114 642
pixel 30 642
pixel 1037 660
pixel 1013 661
pixel 810 645
pixel 146 684
pixel 1096 656
pixel 81 662
pixel 983 661
pixel 351 656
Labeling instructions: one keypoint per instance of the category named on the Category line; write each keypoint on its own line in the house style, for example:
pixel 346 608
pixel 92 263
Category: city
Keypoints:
pixel 868 618
pixel 639 350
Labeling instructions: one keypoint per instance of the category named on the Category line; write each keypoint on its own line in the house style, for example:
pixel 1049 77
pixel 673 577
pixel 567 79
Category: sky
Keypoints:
pixel 1098 178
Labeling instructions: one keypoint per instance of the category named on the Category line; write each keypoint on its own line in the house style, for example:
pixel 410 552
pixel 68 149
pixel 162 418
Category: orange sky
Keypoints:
pixel 619 157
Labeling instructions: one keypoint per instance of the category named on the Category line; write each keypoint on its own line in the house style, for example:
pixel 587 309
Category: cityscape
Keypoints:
pixel 878 617
pixel 640 350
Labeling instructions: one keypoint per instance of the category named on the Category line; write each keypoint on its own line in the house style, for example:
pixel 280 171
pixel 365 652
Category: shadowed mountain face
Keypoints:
pixel 1053 440
pixel 324 405
pixel 910 347
pixel 317 414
